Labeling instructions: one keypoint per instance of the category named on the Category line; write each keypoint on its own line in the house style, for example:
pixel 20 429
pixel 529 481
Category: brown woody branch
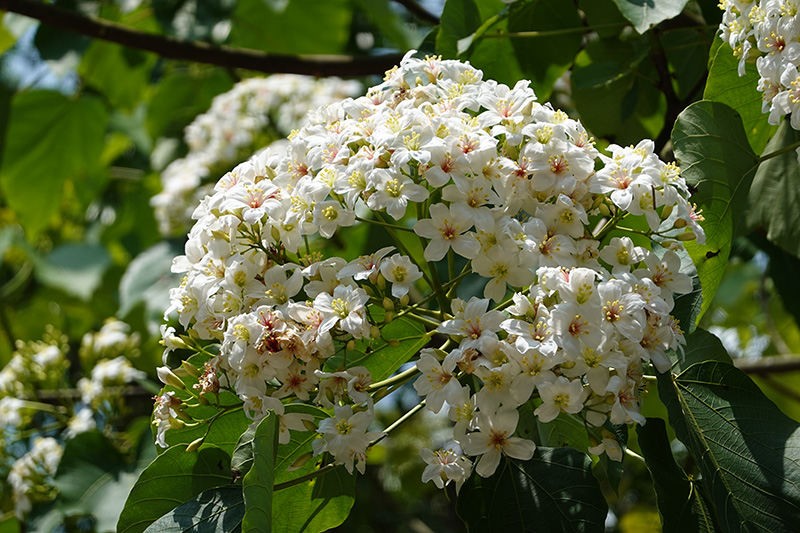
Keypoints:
pixel 764 366
pixel 199 52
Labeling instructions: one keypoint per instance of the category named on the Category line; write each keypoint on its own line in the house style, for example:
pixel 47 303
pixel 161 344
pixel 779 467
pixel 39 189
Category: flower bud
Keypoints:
pixel 374 332
pixel 300 461
pixel 686 236
pixel 381 282
pixel 388 304
pixel 604 209
pixel 351 345
pixel 190 369
pixel 679 223
pixel 168 377
pixel 276 235
pixel 309 424
pixel 404 299
pixel 194 444
pixel 393 342
pixel 388 318
pixel 666 212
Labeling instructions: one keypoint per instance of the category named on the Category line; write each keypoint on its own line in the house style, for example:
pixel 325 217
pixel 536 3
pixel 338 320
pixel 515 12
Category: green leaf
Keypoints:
pixel 258 482
pixel 50 138
pixel 775 194
pixel 541 59
pixel 603 17
pixel 7 38
pixel 193 20
pixel 285 29
pixel 216 510
pixel 782 269
pixel 174 477
pixel 318 504
pixel 92 478
pixel 611 91
pixel 565 431
pixel 180 97
pixel 554 491
pixel 745 447
pixel 121 74
pixel 379 357
pixel 715 158
pixel 644 14
pixel 687 53
pixel 390 24
pixel 242 458
pixel 701 346
pixel 459 20
pixel 680 503
pixel 147 280
pixel 76 269
pixel 223 433
pixel 724 85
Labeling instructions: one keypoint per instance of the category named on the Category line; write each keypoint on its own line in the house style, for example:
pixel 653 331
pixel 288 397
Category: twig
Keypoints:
pixel 199 52
pixel 769 365
pixel 419 11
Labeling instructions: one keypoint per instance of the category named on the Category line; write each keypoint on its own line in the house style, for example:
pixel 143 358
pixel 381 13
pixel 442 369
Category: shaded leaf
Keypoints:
pixel 782 269
pixel 715 158
pixel 747 450
pixel 147 280
pixel 174 477
pixel 644 14
pixel 242 458
pixel 775 193
pixel 120 73
pixel 76 269
pixel 258 482
pixel 680 503
pixel 565 431
pixel 50 138
pixel 701 346
pixel 215 510
pixel 724 85
pixel 554 491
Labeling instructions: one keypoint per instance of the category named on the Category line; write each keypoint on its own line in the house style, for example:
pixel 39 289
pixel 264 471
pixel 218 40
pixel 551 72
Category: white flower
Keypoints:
pixel 345 436
pixel 560 395
pixel 401 273
pixel 494 438
pixel 438 382
pixel 447 229
pixel 445 466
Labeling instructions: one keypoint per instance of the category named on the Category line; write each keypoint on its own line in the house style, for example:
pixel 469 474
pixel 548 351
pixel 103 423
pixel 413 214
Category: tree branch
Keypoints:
pixel 769 365
pixel 224 56
pixel 416 9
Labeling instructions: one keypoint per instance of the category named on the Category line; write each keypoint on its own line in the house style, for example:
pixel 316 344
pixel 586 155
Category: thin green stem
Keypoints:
pixel 397 378
pixel 397 423
pixel 302 479
pixel 405 250
pixel 451 264
pixel 776 153
pixel 384 224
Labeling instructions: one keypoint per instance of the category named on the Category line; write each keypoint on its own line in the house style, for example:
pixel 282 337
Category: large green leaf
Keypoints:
pixel 680 502
pixel 646 13
pixel 50 138
pixel 554 491
pixel 716 159
pixel 258 482
pixel 724 85
pixel 687 54
pixel 173 478
pixel 223 433
pixel 746 449
pixel 539 58
pixel 775 194
pixel 216 510
pixel 459 20
pixel 121 74
pixel 565 430
pixel 147 281
pixel 286 27
pixel 701 346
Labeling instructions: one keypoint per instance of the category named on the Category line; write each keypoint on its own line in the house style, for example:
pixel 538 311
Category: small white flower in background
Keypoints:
pixel 31 476
pixel 345 436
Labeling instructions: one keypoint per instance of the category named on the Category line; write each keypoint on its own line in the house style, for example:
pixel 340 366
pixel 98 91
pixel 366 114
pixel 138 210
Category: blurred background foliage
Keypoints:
pixel 87 126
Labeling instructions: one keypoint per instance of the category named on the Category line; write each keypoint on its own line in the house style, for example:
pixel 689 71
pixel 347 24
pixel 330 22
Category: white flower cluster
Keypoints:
pixel 768 31
pixel 254 113
pixel 31 476
pixel 479 173
pixel 35 365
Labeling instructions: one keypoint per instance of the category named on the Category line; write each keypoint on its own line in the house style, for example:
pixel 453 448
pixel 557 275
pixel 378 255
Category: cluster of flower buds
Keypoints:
pixel 767 32
pixel 31 476
pixel 483 178
pixel 254 113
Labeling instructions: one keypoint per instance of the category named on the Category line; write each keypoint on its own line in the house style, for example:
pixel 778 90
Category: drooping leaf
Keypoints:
pixel 554 491
pixel 50 138
pixel 174 477
pixel 258 482
pixel 680 503
pixel 644 14
pixel 775 193
pixel 724 85
pixel 77 269
pixel 747 450
pixel 716 159
pixel 216 510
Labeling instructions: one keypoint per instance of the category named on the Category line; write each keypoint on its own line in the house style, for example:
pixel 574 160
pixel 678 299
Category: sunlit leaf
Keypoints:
pixel 724 85
pixel 716 159
pixel 747 450
pixel 644 14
